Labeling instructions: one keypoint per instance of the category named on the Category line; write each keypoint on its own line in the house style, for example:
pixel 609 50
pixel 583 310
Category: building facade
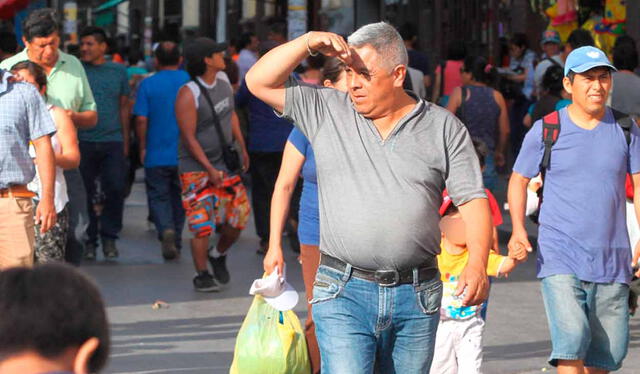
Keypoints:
pixel 486 23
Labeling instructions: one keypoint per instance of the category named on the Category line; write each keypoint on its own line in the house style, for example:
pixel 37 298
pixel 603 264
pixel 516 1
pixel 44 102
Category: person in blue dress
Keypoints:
pixel 298 160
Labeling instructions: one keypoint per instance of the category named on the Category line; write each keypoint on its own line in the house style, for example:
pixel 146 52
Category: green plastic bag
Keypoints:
pixel 270 342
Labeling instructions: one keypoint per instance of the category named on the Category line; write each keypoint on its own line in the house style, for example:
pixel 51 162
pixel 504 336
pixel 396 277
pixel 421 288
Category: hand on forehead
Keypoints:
pixel 364 58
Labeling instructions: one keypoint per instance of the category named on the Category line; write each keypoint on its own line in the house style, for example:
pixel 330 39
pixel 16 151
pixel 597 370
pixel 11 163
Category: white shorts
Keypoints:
pixel 458 346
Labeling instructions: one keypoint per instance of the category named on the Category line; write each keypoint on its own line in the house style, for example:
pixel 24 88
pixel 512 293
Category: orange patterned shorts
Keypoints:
pixel 207 207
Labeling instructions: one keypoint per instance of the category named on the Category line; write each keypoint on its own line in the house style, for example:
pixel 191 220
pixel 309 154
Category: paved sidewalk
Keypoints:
pixel 196 333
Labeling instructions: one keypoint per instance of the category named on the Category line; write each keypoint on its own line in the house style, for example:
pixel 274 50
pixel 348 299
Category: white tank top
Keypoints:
pixel 60 198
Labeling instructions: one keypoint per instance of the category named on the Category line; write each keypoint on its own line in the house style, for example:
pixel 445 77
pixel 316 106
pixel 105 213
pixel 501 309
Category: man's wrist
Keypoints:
pixel 46 198
pixel 311 52
pixel 518 228
pixel 477 262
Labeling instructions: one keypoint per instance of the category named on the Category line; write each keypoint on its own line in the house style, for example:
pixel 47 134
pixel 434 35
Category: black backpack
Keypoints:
pixel 550 133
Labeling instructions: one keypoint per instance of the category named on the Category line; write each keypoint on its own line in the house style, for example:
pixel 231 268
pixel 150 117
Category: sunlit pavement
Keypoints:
pixel 195 332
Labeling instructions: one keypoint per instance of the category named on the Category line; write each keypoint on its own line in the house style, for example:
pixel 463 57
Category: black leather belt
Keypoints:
pixel 385 278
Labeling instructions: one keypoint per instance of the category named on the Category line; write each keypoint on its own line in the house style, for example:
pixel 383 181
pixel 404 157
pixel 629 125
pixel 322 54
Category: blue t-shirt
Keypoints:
pixel 136 70
pixel 109 83
pixel 267 131
pixel 563 103
pixel 156 100
pixel 309 219
pixel 583 227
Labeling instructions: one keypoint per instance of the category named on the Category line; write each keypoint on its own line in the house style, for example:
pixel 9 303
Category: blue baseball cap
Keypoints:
pixel 550 36
pixel 586 58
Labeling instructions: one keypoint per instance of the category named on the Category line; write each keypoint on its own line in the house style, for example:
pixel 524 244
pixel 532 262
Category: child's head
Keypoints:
pixel 451 224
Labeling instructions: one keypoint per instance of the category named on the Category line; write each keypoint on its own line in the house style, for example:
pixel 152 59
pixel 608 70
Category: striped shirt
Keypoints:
pixel 23 117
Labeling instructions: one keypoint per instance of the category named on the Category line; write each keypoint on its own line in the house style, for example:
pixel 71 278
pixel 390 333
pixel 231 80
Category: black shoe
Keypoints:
pixel 169 251
pixel 109 249
pixel 90 252
pixel 219 267
pixel 204 282
pixel 264 247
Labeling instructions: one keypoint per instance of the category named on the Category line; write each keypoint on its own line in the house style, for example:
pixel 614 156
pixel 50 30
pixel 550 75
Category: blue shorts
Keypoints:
pixel 587 321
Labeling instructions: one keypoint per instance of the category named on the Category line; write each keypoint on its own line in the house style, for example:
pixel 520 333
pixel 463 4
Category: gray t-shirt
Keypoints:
pixel 624 96
pixel 541 68
pixel 379 199
pixel 221 95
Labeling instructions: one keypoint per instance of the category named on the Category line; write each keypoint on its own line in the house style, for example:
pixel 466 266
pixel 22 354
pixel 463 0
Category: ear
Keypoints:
pixel 25 42
pixel 85 352
pixel 327 83
pixel 399 72
pixel 566 83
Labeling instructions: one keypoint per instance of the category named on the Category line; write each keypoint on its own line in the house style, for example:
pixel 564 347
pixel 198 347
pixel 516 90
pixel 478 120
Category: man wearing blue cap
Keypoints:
pixel 550 43
pixel 584 257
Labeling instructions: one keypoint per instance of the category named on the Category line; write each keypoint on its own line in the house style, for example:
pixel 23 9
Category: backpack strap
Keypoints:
pixel 625 122
pixel 552 61
pixel 550 133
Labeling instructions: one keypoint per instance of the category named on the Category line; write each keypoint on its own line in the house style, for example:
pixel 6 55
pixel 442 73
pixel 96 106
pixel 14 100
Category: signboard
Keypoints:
pixel 297 18
pixel 70 25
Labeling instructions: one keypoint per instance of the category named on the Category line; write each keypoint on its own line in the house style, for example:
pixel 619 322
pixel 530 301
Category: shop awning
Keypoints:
pixel 9 8
pixel 108 5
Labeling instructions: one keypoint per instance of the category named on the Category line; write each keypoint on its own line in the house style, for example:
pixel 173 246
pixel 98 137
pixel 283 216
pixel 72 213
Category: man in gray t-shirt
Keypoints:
pixel 626 83
pixel 383 158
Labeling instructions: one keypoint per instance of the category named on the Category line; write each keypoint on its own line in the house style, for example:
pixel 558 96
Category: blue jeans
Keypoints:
pixel 518 110
pixel 165 201
pixel 104 160
pixel 362 326
pixel 490 175
pixel 588 321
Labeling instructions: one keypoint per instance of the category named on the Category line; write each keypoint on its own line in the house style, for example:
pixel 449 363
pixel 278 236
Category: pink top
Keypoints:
pixel 311 81
pixel 452 77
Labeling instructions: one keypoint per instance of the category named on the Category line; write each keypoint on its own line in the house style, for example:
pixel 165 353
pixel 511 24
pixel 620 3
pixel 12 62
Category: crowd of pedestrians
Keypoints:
pixel 387 197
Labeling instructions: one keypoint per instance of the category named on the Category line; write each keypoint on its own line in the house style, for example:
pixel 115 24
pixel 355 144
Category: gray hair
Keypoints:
pixel 385 40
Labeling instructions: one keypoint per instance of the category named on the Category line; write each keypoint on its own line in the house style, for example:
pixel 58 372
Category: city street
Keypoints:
pixel 195 332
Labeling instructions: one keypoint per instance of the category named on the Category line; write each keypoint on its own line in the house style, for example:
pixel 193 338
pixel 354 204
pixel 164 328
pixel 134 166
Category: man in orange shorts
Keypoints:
pixel 213 195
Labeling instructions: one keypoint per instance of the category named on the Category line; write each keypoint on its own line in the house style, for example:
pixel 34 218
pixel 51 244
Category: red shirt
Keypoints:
pixel 493 205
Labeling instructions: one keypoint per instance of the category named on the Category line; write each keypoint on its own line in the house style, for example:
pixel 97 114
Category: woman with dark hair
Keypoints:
pixel 553 97
pixel 445 83
pixel 483 111
pixel 50 246
pixel 519 87
pixel 313 70
pixel 298 160
pixel 213 196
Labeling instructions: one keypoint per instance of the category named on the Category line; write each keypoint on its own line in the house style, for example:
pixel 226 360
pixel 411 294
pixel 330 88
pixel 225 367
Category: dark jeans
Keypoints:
pixel 519 109
pixel 264 172
pixel 165 201
pixel 104 160
pixel 78 216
